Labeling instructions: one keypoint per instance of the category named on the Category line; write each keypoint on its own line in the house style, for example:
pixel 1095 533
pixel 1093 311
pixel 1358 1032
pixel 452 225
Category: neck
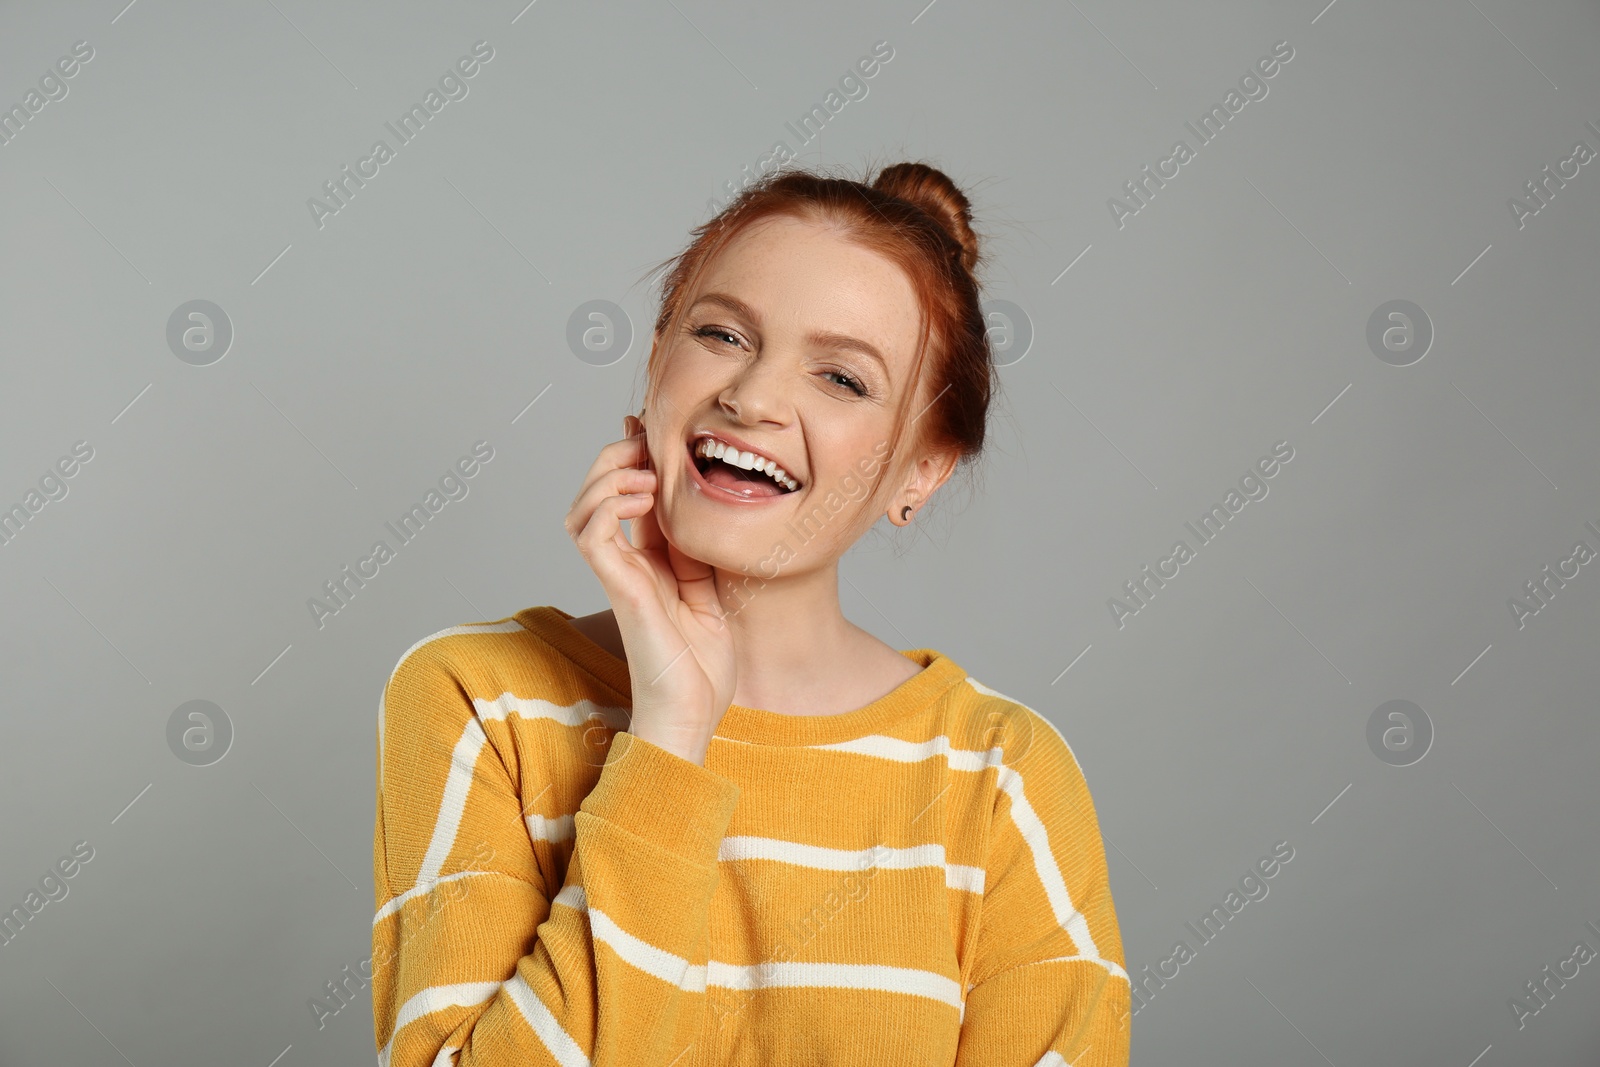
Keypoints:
pixel 793 643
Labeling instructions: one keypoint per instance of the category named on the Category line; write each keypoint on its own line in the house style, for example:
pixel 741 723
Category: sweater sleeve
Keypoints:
pixel 1048 985
pixel 474 955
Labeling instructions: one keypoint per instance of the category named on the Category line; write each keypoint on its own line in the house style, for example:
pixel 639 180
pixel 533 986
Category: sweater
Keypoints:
pixel 918 881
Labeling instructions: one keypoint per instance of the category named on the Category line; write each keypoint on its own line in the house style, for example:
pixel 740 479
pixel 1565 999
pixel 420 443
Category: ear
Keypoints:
pixel 930 472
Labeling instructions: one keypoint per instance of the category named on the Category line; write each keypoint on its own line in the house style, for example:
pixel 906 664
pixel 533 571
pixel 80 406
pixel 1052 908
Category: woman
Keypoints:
pixel 720 823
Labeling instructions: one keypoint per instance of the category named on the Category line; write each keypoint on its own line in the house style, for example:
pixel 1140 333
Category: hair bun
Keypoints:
pixel 932 190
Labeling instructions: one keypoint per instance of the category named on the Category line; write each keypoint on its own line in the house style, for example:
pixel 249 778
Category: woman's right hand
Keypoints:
pixel 679 647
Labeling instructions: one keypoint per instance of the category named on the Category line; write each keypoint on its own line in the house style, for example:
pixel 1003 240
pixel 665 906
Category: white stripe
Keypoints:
pixel 828 859
pixel 674 970
pixel 901 751
pixel 545 1025
pixel 463 762
pixel 692 978
pixel 579 713
pixel 501 627
pixel 449 631
pixel 1052 1058
pixel 872 976
pixel 1037 838
pixel 542 828
pixel 656 962
pixel 436 998
pixel 957 876
pixel 395 903
pixel 470 994
pixel 1112 967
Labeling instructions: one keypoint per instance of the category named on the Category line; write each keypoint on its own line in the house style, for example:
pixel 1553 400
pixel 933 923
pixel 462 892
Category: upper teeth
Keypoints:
pixel 710 446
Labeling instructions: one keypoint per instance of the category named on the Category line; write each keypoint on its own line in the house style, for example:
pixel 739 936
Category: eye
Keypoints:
pixel 850 383
pixel 716 331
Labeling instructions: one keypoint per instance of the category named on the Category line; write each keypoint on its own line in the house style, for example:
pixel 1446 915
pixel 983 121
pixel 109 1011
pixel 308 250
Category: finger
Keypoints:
pixel 647 533
pixel 619 481
pixel 603 547
pixel 614 482
pixel 630 452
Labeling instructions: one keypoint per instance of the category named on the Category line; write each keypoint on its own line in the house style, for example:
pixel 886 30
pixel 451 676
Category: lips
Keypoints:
pixel 749 492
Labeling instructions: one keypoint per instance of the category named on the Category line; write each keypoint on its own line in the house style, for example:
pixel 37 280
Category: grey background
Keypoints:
pixel 1229 314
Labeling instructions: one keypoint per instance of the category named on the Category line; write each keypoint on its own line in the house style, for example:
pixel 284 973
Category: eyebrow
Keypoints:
pixel 826 338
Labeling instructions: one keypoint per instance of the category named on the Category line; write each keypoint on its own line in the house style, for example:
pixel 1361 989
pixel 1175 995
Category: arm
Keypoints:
pixel 473 954
pixel 1048 984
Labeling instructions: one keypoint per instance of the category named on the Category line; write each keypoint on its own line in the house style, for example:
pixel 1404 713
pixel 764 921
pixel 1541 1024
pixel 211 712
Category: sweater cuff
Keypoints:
pixel 663 798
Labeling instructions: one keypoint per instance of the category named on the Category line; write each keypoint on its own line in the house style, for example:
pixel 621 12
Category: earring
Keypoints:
pixel 905 513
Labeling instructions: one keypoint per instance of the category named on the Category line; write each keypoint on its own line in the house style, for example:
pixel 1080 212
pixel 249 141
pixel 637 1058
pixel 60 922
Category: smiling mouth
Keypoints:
pixel 731 476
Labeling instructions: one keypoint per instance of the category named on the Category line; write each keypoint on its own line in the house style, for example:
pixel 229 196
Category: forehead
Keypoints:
pixel 803 276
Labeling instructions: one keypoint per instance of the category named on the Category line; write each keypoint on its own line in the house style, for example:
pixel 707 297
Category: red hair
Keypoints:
pixel 916 217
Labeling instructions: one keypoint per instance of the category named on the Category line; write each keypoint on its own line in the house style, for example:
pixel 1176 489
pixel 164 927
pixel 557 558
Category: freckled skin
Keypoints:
pixel 800 277
pixel 763 381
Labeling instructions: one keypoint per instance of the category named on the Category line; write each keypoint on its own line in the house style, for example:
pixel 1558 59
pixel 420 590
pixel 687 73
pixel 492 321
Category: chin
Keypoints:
pixel 732 547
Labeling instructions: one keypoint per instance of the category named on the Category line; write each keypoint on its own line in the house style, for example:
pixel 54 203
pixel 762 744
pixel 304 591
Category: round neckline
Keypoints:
pixel 758 725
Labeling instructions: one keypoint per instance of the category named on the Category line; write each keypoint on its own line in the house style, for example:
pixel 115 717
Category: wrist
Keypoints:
pixel 689 746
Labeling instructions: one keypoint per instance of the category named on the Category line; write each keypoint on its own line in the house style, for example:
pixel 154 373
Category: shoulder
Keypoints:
pixel 460 649
pixel 477 685
pixel 431 691
pixel 1015 734
pixel 493 672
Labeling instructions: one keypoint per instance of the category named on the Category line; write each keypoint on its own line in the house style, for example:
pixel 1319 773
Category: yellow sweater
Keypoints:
pixel 918 881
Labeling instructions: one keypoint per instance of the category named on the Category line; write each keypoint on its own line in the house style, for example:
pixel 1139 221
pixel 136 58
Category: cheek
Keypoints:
pixel 678 393
pixel 686 366
pixel 860 456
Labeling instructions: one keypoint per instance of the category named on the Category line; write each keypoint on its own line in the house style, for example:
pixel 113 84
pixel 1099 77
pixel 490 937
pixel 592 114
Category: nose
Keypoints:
pixel 759 393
